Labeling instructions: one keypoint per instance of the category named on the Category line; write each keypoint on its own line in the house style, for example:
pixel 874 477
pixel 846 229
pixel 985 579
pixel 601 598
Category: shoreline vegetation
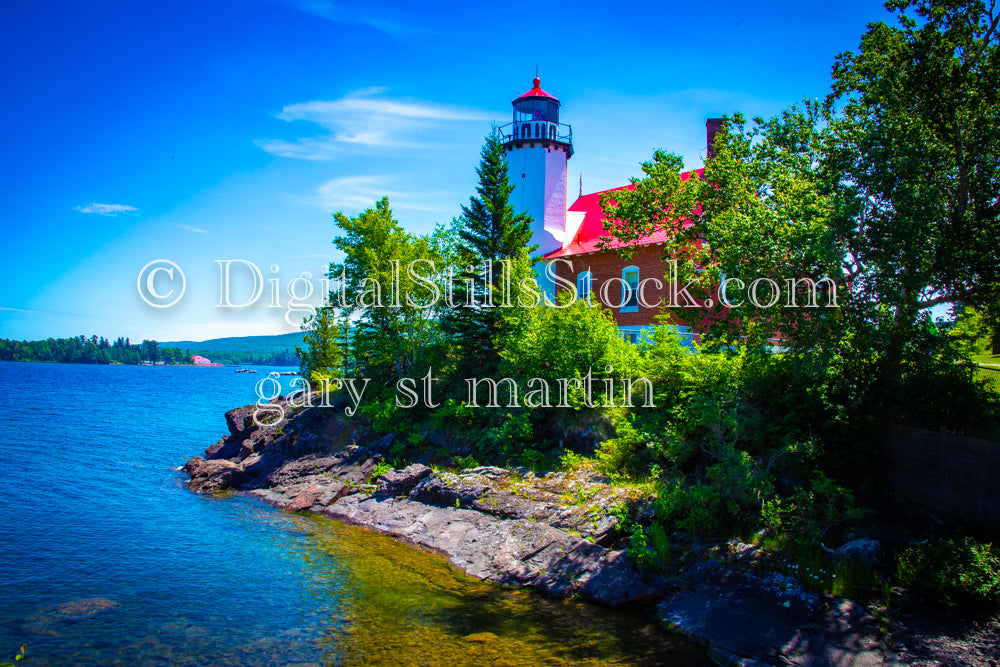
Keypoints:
pixel 256 351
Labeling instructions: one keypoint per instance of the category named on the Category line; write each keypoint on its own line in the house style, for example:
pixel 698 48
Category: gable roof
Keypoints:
pixel 592 228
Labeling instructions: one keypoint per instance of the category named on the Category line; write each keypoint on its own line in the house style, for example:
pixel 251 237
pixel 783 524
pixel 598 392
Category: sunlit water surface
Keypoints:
pixel 107 559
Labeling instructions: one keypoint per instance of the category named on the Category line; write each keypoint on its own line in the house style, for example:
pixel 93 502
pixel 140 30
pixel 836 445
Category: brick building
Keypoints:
pixel 538 148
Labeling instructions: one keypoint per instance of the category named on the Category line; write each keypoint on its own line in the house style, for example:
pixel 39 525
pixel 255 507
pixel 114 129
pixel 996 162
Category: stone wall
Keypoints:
pixel 952 476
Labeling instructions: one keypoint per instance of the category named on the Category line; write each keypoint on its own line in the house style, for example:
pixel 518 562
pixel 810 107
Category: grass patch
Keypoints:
pixel 993 359
pixel 991 376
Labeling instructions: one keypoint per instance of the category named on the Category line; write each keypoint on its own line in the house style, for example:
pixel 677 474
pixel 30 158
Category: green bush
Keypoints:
pixel 811 510
pixel 381 468
pixel 730 496
pixel 649 552
pixel 952 572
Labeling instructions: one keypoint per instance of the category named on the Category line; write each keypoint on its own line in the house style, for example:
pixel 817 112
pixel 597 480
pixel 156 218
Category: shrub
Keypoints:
pixel 381 468
pixel 811 511
pixel 731 496
pixel 952 572
pixel 650 552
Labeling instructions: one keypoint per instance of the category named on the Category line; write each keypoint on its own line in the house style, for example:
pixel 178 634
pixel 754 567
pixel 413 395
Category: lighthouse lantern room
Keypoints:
pixel 537 147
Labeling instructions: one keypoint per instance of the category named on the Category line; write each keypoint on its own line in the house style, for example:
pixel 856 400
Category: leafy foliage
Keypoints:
pixel 953 572
pixel 17 658
pixel 323 355
pixel 917 156
pixel 394 328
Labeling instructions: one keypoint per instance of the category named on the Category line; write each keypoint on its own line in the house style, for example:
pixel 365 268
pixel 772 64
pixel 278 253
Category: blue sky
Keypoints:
pixel 212 130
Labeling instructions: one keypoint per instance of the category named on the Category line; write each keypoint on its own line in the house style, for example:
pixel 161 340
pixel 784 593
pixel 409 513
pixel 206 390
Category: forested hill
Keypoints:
pixel 256 344
pixel 276 350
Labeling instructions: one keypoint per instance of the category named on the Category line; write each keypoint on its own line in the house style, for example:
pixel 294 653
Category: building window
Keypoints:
pixel 583 282
pixel 525 131
pixel 538 134
pixel 630 286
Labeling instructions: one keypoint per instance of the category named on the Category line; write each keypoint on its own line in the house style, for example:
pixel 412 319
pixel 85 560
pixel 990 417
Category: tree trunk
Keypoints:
pixel 996 339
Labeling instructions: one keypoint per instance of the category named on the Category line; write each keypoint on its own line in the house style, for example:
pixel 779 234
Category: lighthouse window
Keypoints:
pixel 525 131
pixel 537 133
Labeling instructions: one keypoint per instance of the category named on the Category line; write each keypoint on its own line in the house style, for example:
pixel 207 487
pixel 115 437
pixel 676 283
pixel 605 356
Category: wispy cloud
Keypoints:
pixel 24 310
pixel 355 193
pixel 380 18
pixel 110 210
pixel 192 229
pixel 367 120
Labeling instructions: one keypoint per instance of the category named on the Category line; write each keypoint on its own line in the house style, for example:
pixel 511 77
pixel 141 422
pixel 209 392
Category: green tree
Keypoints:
pixel 887 194
pixel 386 289
pixel 492 238
pixel 322 356
pixel 761 212
pixel 916 152
pixel 970 332
pixel 150 351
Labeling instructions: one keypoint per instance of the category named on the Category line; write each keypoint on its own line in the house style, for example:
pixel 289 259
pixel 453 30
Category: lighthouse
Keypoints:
pixel 537 147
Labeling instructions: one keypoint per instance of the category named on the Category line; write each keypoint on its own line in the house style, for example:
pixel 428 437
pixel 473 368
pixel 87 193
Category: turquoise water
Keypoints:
pixel 107 559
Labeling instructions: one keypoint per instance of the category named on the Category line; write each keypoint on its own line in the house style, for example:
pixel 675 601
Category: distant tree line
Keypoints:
pixel 279 358
pixel 93 350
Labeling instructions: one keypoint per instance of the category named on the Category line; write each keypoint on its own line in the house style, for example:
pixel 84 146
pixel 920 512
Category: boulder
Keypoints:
pixel 305 499
pixel 863 550
pixel 240 422
pixel 226 448
pixel 215 475
pixel 401 482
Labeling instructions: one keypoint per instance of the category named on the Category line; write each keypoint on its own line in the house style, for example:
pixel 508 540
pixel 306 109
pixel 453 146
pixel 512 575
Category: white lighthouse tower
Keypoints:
pixel 537 147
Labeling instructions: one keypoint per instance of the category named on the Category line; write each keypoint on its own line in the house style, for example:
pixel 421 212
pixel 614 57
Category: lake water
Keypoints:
pixel 107 559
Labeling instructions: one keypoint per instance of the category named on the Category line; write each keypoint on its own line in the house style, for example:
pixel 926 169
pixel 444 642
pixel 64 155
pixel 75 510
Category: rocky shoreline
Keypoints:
pixel 488 522
pixel 554 533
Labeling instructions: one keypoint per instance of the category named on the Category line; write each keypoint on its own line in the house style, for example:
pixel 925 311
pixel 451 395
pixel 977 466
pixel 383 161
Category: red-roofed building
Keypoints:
pixel 538 148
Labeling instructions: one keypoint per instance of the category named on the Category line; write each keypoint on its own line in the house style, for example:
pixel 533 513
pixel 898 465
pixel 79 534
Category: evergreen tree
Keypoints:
pixel 323 355
pixel 491 236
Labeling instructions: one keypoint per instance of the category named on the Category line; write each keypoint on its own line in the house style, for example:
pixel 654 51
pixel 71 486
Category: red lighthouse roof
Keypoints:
pixel 536 91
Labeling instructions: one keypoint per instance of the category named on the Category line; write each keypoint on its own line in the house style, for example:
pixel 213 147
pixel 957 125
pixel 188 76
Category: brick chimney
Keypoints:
pixel 712 127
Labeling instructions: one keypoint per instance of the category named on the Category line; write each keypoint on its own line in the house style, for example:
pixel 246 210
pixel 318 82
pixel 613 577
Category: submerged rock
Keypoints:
pixel 85 607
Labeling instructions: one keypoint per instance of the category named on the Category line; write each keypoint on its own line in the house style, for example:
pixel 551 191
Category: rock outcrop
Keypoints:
pixel 549 532
pixel 555 533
